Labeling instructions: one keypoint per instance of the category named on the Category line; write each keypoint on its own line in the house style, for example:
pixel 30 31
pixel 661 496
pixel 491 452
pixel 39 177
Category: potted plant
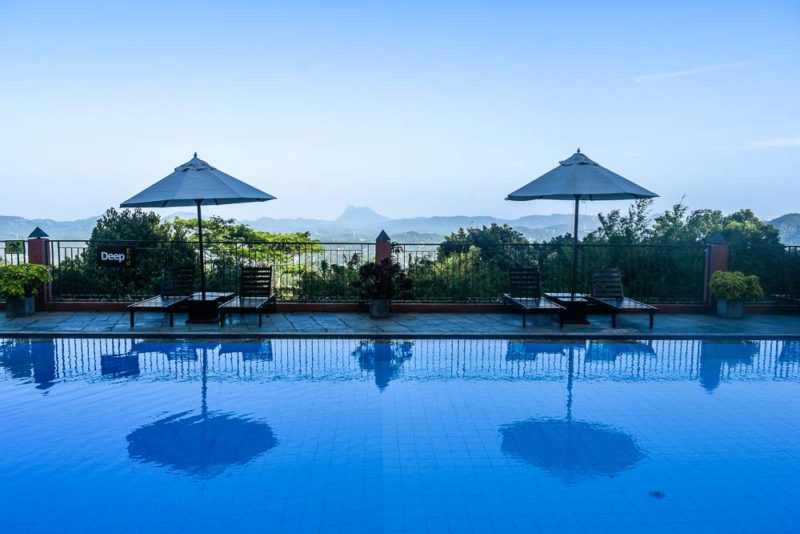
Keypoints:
pixel 732 289
pixel 380 283
pixel 20 284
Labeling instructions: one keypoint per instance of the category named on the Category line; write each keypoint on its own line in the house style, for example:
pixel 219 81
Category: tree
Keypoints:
pixel 493 243
pixel 156 245
pixel 230 245
pixel 616 228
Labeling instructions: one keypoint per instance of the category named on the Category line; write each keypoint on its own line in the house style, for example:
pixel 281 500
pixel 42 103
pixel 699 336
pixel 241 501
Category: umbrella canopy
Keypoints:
pixel 579 178
pixel 196 183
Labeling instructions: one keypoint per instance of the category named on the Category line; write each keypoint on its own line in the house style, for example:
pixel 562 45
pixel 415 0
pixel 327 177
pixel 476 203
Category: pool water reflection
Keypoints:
pixel 406 435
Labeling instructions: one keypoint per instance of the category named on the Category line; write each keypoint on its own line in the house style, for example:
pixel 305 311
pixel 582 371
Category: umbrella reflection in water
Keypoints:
pixel 568 449
pixel 201 444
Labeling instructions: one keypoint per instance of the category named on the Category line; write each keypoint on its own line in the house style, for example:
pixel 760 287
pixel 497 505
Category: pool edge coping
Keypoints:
pixel 39 334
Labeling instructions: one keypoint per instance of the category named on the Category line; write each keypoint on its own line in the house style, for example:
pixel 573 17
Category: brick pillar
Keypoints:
pixel 39 253
pixel 718 260
pixel 383 247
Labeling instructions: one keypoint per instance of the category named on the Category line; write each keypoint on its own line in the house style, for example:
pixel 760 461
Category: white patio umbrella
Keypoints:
pixel 579 178
pixel 196 183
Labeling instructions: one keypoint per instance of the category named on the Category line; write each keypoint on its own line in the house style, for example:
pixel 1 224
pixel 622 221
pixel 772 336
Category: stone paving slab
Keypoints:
pixel 400 324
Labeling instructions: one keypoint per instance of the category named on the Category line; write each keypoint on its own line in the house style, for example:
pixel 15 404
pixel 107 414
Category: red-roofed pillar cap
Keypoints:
pixel 718 259
pixel 38 233
pixel 383 247
pixel 39 253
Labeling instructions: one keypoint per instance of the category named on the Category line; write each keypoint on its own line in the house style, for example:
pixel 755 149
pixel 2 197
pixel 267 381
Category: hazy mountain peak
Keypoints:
pixel 360 215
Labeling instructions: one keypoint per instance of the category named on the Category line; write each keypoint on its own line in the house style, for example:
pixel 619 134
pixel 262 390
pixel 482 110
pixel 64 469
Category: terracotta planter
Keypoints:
pixel 380 308
pixel 20 306
pixel 730 309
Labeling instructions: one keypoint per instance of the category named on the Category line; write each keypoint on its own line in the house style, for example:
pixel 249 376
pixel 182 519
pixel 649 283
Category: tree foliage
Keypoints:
pixel 157 245
pixel 679 225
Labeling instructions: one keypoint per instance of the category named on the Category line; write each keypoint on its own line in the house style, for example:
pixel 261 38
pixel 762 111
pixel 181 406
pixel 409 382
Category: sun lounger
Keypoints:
pixel 607 292
pixel 526 295
pixel 176 287
pixel 792 297
pixel 255 294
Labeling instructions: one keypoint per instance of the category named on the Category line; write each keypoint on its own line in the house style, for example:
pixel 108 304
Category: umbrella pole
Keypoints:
pixel 202 254
pixel 574 248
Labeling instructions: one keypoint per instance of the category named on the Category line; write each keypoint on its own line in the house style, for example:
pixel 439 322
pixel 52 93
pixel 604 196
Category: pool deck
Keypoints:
pixel 405 325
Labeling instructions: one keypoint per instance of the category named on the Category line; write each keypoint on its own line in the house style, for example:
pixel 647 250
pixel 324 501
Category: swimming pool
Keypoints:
pixel 407 435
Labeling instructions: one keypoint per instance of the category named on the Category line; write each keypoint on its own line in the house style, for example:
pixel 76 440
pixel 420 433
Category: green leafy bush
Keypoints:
pixel 22 280
pixel 735 286
pixel 385 281
pixel 328 282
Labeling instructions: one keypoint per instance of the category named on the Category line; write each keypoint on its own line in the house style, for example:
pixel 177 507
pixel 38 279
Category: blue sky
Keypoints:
pixel 429 108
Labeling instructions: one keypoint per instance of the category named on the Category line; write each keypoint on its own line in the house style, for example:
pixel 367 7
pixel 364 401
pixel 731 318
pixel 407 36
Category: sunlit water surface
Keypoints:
pixel 347 435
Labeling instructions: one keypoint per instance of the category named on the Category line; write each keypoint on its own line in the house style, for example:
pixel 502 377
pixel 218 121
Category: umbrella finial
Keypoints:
pixel 579 151
pixel 195 154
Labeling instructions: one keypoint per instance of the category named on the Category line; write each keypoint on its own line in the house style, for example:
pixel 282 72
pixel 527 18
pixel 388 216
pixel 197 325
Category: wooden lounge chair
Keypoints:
pixel 176 287
pixel 790 299
pixel 607 293
pixel 255 294
pixel 526 295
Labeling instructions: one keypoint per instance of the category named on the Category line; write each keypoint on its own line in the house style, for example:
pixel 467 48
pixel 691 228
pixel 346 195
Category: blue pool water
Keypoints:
pixel 416 435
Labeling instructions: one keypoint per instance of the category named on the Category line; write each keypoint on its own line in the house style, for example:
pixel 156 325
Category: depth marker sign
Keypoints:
pixel 108 256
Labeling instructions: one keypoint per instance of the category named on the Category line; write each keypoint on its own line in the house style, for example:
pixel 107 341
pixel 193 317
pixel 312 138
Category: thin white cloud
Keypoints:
pixel 693 72
pixel 778 142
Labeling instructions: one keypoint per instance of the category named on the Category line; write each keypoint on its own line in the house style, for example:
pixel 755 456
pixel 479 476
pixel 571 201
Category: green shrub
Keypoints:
pixel 735 286
pixel 384 281
pixel 22 280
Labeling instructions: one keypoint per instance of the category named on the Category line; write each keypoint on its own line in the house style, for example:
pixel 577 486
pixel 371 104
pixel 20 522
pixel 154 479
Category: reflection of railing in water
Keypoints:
pixel 48 361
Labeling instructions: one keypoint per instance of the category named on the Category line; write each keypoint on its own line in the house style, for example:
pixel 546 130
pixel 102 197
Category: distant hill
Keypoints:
pixel 20 228
pixel 789 227
pixel 362 224
pixel 356 223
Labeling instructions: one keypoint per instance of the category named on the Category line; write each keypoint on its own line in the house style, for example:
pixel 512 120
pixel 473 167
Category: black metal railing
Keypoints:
pixel 463 273
pixel 302 271
pixel 325 272
pixel 13 251
pixel 777 266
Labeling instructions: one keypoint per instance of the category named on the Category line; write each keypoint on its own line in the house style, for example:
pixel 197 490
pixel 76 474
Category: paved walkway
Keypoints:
pixel 400 325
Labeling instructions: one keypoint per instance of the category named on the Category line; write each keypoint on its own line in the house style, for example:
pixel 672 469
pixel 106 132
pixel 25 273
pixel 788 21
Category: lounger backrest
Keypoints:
pixel 793 281
pixel 177 281
pixel 255 282
pixel 525 282
pixel 607 284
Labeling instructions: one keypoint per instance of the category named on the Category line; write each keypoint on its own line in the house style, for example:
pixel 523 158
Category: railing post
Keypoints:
pixel 718 260
pixel 39 253
pixel 383 247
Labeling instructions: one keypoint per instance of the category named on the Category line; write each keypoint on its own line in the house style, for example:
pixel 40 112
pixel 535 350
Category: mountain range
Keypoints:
pixel 358 223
